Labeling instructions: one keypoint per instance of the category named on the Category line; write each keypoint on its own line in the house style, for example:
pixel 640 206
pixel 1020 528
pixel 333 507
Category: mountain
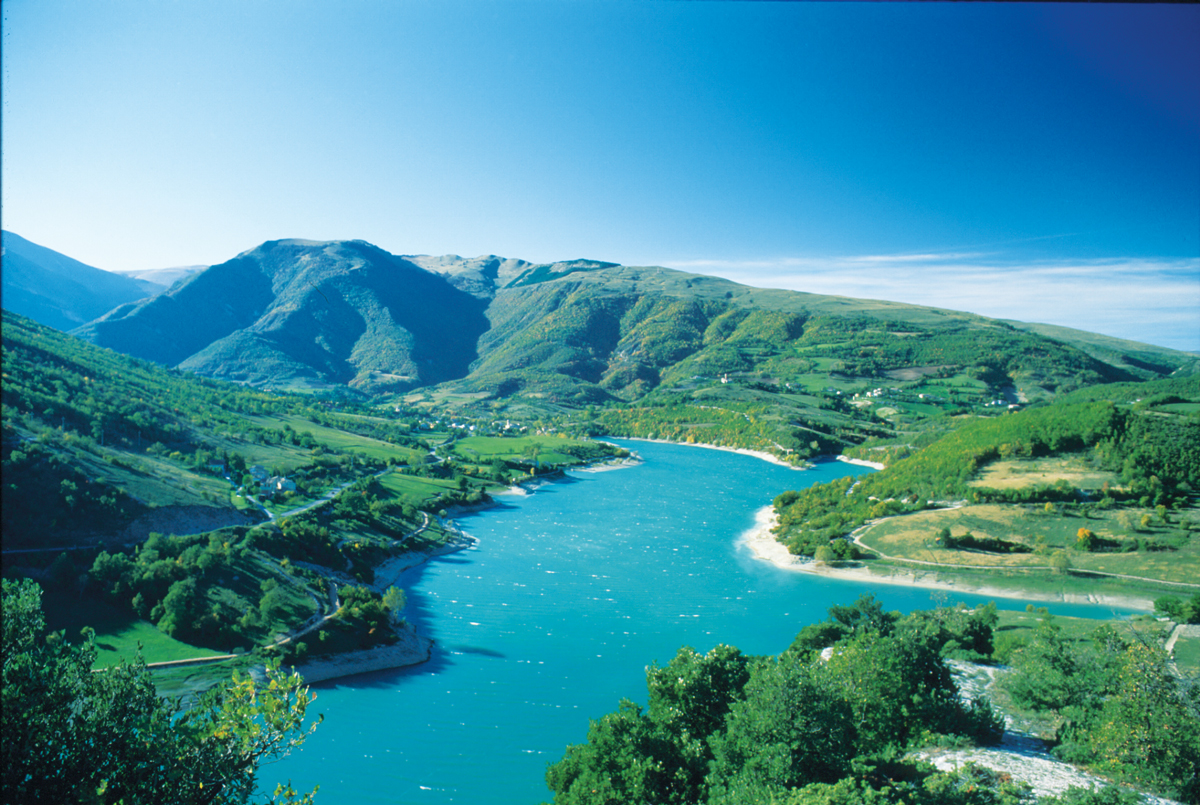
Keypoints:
pixel 59 291
pixel 305 315
pixel 164 278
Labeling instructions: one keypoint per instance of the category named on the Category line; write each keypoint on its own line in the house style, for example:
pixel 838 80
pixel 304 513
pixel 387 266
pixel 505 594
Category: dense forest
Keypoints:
pixel 835 717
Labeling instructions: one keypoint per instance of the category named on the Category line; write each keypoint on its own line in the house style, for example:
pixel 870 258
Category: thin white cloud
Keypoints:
pixel 914 258
pixel 1155 301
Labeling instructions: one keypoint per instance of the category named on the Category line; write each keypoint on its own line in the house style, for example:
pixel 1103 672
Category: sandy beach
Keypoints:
pixel 390 569
pixel 606 466
pixel 763 545
pixel 742 450
pixel 875 465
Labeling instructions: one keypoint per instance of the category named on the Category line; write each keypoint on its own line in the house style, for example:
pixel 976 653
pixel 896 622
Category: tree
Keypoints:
pixel 792 728
pixel 394 600
pixel 1146 731
pixel 180 608
pixel 1177 610
pixel 72 735
pixel 1085 540
pixel 620 763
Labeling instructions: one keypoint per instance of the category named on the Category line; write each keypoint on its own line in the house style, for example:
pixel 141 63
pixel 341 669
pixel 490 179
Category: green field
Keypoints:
pixel 415 488
pixel 1024 623
pixel 1181 408
pixel 1187 655
pixel 911 537
pixel 148 477
pixel 339 440
pixel 483 449
pixel 118 635
pixel 240 503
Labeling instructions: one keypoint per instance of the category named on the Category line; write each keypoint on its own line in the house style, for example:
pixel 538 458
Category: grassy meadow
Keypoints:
pixel 912 538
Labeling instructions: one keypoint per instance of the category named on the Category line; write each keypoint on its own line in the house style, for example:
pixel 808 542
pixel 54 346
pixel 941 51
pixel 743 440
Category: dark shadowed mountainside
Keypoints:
pixel 299 314
pixel 59 291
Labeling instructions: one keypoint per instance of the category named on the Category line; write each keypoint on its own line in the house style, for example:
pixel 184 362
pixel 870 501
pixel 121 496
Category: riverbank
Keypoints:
pixel 862 462
pixel 761 542
pixel 409 649
pixel 390 570
pixel 740 450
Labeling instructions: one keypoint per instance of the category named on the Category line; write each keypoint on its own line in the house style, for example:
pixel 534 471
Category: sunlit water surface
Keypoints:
pixel 552 618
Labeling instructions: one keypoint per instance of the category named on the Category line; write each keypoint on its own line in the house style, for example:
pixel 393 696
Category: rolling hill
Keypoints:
pixel 331 316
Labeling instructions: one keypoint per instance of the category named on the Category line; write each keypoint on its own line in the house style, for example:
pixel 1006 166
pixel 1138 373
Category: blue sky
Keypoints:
pixel 1039 162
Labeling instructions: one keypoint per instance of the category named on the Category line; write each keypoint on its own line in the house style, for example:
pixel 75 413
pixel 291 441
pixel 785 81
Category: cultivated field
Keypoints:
pixel 1023 473
pixel 1158 551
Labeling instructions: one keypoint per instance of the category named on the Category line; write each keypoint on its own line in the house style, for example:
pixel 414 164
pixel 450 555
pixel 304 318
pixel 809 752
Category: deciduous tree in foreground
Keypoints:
pixel 71 735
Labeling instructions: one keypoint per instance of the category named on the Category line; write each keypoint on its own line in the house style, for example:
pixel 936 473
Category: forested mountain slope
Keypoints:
pixel 327 316
pixel 298 314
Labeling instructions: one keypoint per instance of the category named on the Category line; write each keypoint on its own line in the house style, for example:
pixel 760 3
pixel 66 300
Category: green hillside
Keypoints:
pixel 302 315
pixel 1096 491
pixel 137 496
pixel 347 317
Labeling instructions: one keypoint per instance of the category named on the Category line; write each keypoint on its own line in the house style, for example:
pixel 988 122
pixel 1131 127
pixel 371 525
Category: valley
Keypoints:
pixel 246 468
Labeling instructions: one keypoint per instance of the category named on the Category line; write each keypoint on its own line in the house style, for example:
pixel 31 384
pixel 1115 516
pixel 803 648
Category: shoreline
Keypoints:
pixel 861 462
pixel 763 546
pixel 759 454
pixel 410 649
pixel 389 570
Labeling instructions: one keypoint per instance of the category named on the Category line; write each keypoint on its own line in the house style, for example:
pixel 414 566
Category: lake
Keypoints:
pixel 552 618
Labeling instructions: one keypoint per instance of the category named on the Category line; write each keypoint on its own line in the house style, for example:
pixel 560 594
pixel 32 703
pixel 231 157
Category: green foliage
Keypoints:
pixel 794 726
pixel 1108 795
pixel 624 760
pixel 661 756
pixel 76 736
pixel 1179 611
pixel 692 694
pixel 970 542
pixel 970 785
pixel 1145 732
pixel 1121 707
pixel 723 728
pixel 1128 441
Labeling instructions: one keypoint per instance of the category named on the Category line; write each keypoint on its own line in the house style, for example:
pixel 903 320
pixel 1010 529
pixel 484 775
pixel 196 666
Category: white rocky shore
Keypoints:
pixel 761 542
pixel 1019 755
pixel 1022 756
pixel 410 647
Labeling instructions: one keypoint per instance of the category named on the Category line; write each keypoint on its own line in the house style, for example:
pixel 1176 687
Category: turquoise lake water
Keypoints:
pixel 552 618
